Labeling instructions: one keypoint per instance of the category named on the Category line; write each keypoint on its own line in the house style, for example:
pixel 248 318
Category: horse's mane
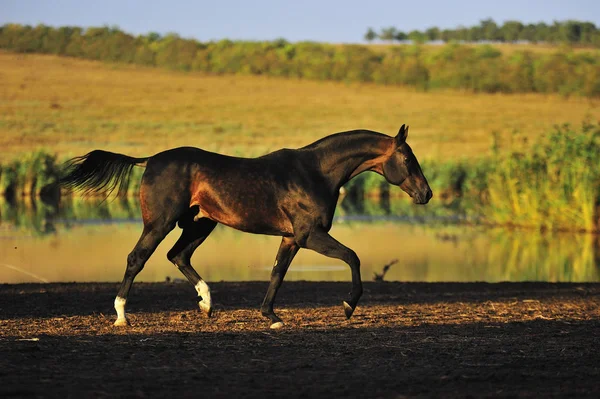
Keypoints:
pixel 344 138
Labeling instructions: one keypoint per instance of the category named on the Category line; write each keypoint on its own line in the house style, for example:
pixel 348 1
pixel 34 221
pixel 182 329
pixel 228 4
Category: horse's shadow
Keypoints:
pixel 471 359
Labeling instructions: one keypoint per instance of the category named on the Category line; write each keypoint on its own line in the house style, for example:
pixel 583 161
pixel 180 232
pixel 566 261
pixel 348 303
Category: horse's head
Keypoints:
pixel 402 169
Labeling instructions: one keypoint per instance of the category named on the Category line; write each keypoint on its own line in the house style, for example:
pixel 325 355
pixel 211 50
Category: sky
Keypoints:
pixel 334 21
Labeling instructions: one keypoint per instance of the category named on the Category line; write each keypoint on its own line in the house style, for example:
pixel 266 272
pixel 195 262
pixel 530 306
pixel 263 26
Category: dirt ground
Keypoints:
pixel 404 340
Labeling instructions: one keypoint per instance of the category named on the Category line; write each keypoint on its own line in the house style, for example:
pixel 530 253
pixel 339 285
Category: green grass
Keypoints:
pixel 555 186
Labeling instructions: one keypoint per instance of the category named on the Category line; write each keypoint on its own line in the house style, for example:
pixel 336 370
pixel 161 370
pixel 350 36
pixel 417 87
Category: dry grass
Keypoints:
pixel 506 48
pixel 72 106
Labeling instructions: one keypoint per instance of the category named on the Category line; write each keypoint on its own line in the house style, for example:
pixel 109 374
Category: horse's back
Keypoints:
pixel 244 193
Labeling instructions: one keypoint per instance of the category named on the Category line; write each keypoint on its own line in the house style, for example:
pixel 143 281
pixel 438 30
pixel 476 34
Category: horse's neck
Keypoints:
pixel 340 161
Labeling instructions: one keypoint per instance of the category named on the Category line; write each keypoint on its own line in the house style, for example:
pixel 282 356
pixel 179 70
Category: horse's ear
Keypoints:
pixel 402 135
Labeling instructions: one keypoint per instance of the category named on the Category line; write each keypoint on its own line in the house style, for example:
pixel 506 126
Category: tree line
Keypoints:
pixel 570 31
pixel 481 68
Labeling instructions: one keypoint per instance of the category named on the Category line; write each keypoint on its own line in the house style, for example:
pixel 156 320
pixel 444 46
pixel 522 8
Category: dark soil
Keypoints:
pixel 405 339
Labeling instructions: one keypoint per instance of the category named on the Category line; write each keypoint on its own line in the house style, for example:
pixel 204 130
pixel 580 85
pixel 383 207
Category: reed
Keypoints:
pixel 32 175
pixel 552 186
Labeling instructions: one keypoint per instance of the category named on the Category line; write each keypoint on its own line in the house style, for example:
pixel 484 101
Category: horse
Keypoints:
pixel 291 193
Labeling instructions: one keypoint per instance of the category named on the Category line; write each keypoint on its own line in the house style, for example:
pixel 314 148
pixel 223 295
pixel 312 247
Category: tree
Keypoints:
pixel 153 37
pixel 462 33
pixel 475 34
pixel 528 33
pixel 511 30
pixel 490 29
pixel 400 36
pixel 416 36
pixel 370 35
pixel 388 34
pixel 570 32
pixel 542 32
pixel 433 33
pixel 447 35
pixel 587 32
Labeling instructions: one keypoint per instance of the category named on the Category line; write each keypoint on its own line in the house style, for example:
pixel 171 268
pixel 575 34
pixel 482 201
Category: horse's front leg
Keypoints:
pixel 320 241
pixel 287 251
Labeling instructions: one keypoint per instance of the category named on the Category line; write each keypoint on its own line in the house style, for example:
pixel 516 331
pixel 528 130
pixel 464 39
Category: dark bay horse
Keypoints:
pixel 287 193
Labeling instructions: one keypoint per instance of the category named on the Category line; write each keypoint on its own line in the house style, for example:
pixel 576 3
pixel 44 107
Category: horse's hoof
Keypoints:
pixel 276 326
pixel 348 310
pixel 205 308
pixel 122 323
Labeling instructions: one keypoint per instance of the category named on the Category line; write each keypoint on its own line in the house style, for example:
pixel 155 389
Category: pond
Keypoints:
pixel 68 247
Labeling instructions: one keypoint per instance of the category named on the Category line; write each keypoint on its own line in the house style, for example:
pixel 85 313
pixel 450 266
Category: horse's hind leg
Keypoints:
pixel 193 234
pixel 136 260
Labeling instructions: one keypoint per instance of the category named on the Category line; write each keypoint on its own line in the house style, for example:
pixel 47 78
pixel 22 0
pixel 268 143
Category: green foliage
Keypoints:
pixel 479 69
pixel 29 176
pixel 555 185
pixel 37 175
pixel 570 31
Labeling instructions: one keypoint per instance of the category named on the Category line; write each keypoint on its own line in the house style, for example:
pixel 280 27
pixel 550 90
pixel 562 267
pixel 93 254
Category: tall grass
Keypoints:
pixel 33 175
pixel 551 184
pixel 555 185
pixel 37 176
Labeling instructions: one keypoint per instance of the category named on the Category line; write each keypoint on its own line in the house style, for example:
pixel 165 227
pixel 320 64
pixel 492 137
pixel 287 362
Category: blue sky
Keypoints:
pixel 329 21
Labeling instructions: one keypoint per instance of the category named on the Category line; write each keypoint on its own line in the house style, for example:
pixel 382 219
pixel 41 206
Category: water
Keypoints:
pixel 67 250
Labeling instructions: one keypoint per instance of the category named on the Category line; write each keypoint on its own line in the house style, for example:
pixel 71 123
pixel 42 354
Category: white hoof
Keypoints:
pixel 122 323
pixel 205 307
pixel 276 326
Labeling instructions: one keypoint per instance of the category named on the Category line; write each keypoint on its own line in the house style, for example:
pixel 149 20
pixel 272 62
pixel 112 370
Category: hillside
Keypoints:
pixel 70 106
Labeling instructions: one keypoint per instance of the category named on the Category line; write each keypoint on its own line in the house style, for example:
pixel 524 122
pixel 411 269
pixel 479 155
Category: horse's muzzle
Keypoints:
pixel 422 198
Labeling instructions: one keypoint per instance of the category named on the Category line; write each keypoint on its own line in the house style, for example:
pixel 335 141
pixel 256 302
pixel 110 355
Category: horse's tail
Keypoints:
pixel 100 172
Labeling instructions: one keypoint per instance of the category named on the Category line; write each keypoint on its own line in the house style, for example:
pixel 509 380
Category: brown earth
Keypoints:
pixel 405 339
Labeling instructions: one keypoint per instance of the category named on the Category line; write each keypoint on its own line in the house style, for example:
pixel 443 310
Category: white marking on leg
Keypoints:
pixel 277 326
pixel 203 290
pixel 120 308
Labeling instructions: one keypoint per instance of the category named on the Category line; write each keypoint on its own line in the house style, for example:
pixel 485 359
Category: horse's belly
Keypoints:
pixel 252 223
pixel 258 220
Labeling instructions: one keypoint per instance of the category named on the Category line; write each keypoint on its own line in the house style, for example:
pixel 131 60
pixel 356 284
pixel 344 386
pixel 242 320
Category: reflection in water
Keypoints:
pixel 97 252
pixel 39 217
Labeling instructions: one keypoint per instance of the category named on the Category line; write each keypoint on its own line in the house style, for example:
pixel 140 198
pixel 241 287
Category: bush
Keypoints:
pixel 480 68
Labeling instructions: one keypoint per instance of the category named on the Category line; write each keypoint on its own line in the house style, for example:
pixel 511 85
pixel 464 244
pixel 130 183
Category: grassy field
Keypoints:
pixel 505 48
pixel 71 106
